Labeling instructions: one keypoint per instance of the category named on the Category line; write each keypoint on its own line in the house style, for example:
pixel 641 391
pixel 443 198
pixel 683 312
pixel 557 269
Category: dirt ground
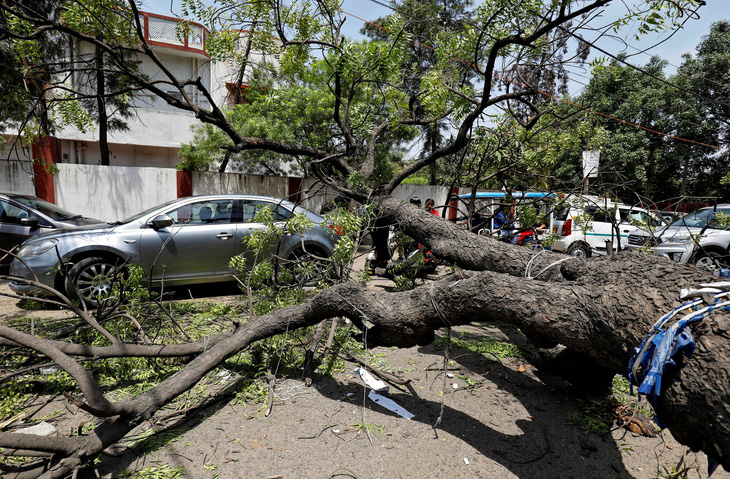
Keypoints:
pixel 497 420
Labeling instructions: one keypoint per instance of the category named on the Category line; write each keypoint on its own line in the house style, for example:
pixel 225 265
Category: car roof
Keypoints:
pixel 13 195
pixel 230 195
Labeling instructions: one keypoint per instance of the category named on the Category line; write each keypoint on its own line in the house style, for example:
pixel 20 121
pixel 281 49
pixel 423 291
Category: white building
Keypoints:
pixel 156 130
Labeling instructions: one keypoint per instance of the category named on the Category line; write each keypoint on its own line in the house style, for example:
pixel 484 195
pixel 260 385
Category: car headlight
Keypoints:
pixel 38 248
pixel 679 239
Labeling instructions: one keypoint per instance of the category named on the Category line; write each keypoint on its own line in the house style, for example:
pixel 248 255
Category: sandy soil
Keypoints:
pixel 497 420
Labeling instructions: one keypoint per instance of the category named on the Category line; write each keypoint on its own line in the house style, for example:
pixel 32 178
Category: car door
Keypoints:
pixel 633 218
pixel 12 230
pixel 196 248
pixel 251 223
pixel 601 227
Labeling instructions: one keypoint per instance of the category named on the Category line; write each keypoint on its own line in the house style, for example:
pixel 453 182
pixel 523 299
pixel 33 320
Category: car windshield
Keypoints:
pixel 48 209
pixel 641 218
pixel 145 212
pixel 705 217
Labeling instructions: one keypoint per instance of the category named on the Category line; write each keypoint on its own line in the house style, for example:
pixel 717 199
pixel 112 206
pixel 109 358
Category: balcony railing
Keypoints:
pixel 168 32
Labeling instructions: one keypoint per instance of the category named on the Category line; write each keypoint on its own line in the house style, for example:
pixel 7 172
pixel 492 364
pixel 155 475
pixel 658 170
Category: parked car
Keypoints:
pixel 185 241
pixel 584 223
pixel 701 238
pixel 23 216
pixel 671 216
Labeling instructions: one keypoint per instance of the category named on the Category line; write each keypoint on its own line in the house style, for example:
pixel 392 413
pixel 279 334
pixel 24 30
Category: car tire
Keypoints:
pixel 579 250
pixel 93 280
pixel 710 260
pixel 306 269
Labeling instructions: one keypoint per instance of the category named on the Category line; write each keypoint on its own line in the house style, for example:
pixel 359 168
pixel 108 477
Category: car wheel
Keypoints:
pixel 579 250
pixel 93 280
pixel 710 261
pixel 308 268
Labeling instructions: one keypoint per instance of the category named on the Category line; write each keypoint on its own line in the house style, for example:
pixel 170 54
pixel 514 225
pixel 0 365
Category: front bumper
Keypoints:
pixel 677 252
pixel 44 274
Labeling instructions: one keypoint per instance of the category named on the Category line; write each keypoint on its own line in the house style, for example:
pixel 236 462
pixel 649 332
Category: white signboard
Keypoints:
pixel 590 163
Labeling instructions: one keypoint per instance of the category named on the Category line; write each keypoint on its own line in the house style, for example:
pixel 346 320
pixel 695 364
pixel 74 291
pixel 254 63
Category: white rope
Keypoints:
pixel 532 263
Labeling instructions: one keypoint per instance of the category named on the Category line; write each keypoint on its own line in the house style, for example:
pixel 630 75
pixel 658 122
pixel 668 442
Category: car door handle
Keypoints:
pixel 224 236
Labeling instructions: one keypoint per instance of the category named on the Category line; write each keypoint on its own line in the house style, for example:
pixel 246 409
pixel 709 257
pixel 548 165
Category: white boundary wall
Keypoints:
pixel 112 193
pixel 17 176
pixel 439 194
pixel 213 183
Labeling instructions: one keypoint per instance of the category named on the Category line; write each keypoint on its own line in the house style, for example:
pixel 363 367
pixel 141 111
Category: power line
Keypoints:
pixel 639 69
pixel 540 91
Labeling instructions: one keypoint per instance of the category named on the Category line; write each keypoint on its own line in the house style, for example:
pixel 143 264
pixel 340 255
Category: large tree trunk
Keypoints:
pixel 101 108
pixel 601 309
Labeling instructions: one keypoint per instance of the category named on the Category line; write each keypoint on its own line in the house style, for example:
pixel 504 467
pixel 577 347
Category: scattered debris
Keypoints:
pixel 390 405
pixel 13 419
pixel 371 382
pixel 693 293
pixel 41 429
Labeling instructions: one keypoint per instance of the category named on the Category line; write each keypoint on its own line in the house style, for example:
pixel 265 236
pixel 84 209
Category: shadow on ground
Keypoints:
pixel 499 422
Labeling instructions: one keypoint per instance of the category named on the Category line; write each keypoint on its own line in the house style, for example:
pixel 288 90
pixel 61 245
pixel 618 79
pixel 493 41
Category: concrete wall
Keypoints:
pixel 87 153
pixel 439 194
pixel 315 194
pixel 153 128
pixel 208 182
pixel 16 172
pixel 112 193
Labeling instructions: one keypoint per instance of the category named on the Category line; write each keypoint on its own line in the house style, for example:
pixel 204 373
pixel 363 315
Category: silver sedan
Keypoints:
pixel 185 241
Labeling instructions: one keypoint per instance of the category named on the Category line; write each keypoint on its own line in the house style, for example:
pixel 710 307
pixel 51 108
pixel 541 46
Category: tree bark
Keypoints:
pixel 101 107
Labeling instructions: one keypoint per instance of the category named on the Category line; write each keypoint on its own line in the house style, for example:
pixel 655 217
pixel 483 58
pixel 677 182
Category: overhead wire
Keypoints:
pixel 549 95
pixel 639 69
pixel 645 52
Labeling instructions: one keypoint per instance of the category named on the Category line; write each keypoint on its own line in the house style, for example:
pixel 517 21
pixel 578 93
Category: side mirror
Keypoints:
pixel 160 221
pixel 31 221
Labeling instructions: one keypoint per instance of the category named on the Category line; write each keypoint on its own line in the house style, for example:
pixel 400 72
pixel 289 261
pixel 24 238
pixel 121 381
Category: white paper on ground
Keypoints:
pixel 389 404
pixel 372 383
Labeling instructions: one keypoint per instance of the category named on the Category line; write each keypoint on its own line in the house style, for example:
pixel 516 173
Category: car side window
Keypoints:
pixel 251 208
pixel 636 217
pixel 9 213
pixel 599 214
pixel 203 213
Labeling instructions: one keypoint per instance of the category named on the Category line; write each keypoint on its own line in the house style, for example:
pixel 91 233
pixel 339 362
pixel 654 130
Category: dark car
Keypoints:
pixel 23 216
pixel 185 241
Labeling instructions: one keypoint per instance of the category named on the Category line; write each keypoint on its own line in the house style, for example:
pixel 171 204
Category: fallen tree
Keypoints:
pixel 600 309
pixel 367 104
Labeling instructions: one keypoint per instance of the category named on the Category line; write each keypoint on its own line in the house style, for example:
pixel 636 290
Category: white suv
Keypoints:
pixel 584 224
pixel 700 238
